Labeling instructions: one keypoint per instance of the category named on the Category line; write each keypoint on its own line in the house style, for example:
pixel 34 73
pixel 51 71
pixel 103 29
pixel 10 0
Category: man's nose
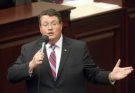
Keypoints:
pixel 50 26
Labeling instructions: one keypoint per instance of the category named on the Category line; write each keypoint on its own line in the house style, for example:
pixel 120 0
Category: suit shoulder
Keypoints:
pixel 76 42
pixel 30 44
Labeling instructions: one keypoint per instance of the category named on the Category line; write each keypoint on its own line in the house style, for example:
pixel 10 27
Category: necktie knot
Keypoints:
pixel 53 46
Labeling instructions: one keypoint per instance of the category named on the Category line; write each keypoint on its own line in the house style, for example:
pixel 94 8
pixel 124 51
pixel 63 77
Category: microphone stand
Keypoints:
pixel 45 40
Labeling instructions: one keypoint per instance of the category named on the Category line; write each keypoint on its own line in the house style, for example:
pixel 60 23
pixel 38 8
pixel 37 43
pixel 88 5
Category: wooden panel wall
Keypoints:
pixel 130 46
pixel 128 84
pixel 103 34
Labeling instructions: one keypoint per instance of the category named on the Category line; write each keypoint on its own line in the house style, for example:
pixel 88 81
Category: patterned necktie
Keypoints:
pixel 52 60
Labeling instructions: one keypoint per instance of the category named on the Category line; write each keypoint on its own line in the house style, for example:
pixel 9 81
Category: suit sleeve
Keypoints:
pixel 19 70
pixel 92 71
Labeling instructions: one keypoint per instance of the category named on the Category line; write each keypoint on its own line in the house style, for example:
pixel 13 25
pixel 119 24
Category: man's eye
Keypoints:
pixel 54 23
pixel 45 25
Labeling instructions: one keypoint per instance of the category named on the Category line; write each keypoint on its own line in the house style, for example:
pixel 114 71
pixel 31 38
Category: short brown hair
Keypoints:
pixel 50 12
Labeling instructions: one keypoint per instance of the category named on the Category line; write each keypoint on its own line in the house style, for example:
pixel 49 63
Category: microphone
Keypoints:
pixel 44 40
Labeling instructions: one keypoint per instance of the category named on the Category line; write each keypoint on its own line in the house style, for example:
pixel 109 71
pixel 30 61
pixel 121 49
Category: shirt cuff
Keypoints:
pixel 30 73
pixel 112 82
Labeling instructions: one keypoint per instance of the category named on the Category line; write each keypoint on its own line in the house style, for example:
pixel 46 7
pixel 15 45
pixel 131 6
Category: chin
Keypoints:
pixel 51 38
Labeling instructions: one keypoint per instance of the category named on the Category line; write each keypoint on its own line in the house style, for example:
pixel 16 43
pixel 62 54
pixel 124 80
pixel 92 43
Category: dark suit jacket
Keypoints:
pixel 75 67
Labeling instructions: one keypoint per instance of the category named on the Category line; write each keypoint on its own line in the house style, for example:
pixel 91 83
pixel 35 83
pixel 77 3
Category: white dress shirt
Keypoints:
pixel 57 50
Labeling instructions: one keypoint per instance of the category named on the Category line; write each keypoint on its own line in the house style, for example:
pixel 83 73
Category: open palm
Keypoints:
pixel 120 72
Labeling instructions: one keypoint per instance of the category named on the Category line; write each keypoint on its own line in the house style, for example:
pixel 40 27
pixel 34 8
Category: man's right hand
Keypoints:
pixel 37 59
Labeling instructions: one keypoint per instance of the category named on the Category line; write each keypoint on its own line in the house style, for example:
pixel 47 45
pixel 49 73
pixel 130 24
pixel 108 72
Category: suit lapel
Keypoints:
pixel 64 55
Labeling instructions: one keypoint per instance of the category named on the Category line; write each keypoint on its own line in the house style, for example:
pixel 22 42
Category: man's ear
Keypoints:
pixel 62 24
pixel 40 29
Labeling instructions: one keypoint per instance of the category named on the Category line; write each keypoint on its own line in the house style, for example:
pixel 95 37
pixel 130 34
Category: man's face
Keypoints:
pixel 51 27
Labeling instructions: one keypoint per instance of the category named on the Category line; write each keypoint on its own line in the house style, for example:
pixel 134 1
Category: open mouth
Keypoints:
pixel 50 34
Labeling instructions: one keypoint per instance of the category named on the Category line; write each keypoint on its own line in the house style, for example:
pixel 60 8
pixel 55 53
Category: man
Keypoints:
pixel 63 68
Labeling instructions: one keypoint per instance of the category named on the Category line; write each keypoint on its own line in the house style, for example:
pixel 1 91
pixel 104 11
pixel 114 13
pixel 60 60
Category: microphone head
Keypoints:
pixel 45 39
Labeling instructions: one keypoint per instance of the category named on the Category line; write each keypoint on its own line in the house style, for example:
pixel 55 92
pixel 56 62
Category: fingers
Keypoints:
pixel 128 70
pixel 118 63
pixel 38 57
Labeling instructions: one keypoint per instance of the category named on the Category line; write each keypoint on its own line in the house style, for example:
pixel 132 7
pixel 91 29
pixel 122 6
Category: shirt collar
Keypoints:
pixel 58 43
